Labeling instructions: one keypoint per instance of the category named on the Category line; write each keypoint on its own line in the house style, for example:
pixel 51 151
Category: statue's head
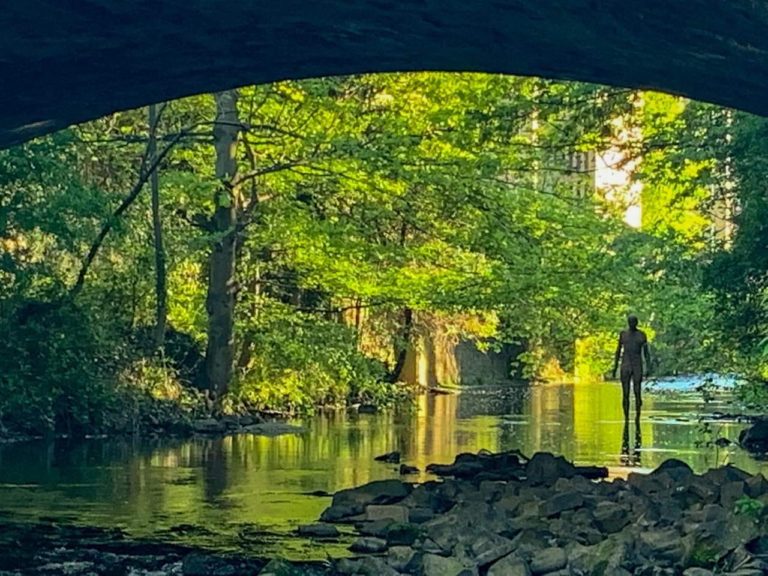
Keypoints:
pixel 632 321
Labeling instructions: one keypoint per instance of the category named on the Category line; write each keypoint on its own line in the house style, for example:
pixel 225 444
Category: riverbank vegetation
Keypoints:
pixel 293 245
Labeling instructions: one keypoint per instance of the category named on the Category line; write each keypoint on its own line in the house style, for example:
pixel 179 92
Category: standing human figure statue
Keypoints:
pixel 634 345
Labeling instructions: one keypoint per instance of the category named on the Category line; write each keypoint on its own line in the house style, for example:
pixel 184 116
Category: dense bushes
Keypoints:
pixel 54 370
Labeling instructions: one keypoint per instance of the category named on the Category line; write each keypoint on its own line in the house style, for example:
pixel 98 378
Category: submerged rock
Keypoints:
pixel 318 531
pixel 389 458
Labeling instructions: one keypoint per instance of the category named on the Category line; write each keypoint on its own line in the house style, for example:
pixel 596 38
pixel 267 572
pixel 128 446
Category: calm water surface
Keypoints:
pixel 227 493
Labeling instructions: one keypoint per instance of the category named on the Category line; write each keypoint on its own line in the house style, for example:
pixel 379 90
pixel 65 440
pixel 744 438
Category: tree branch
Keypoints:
pixel 145 173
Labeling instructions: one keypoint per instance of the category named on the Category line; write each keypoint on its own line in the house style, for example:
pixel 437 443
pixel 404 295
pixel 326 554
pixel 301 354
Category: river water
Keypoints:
pixel 247 492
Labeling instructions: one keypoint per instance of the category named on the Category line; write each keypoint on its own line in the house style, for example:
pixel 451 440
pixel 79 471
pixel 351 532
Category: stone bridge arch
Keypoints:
pixel 68 61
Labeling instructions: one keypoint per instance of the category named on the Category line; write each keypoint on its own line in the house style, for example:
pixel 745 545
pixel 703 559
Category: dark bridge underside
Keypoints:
pixel 67 61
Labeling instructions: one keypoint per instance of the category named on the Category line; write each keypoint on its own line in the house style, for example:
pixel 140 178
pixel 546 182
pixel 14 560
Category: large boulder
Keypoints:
pixel 672 472
pixel 482 466
pixel 353 501
pixel 755 438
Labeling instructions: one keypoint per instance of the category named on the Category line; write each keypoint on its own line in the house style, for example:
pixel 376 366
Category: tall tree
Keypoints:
pixel 161 291
pixel 220 301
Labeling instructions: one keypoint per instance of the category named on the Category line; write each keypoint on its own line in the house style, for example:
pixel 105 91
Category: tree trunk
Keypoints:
pixel 402 344
pixel 220 303
pixel 161 292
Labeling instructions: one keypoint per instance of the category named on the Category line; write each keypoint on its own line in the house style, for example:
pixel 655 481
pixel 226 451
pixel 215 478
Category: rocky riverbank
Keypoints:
pixel 186 428
pixel 488 515
pixel 504 515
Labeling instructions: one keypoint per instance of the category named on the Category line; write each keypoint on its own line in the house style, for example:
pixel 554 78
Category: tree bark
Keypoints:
pixel 402 344
pixel 220 302
pixel 161 291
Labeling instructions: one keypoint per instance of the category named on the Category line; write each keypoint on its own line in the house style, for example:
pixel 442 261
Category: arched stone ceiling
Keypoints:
pixel 67 61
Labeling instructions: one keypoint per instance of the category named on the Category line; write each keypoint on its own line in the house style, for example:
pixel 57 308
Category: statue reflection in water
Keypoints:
pixel 631 457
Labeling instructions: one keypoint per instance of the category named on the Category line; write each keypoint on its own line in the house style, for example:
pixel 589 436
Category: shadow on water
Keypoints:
pixel 240 487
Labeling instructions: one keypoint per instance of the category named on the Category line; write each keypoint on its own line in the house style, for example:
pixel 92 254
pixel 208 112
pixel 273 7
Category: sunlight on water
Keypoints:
pixel 224 493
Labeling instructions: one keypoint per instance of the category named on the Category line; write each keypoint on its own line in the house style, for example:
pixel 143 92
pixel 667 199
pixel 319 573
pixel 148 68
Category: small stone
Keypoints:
pixel 204 565
pixel 611 517
pixel 697 572
pixel 445 530
pixel 730 492
pixel 389 512
pixel 433 565
pixel 725 474
pixel 399 534
pixel 377 528
pixel 510 565
pixel 375 566
pixel 703 490
pixel 276 567
pixel 420 515
pixel 562 502
pixel 645 483
pixel 405 470
pixel 368 545
pixel 548 560
pixel 339 512
pixel 318 531
pixel 400 556
pixel 389 458
pixel 490 547
pixel 346 566
pixel 662 546
pixel 757 486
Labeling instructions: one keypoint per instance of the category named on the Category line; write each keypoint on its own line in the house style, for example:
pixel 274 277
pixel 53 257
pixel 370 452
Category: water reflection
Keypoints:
pixel 239 481
pixel 633 457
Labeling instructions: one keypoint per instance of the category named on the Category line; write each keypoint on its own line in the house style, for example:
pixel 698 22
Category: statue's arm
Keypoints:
pixel 617 357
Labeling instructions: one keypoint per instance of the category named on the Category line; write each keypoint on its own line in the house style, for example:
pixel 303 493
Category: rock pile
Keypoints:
pixel 504 515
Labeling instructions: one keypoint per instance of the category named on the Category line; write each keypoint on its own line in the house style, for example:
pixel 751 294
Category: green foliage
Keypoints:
pixel 295 362
pixel 53 368
pixel 749 507
pixel 446 195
